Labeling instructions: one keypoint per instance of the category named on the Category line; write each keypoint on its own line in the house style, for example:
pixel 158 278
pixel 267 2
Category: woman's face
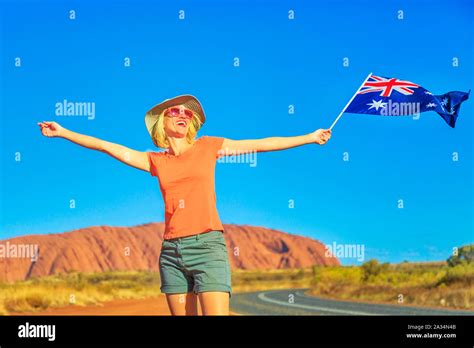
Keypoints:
pixel 176 121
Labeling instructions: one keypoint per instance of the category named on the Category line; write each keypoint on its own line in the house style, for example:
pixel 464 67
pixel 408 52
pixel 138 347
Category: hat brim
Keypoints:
pixel 189 101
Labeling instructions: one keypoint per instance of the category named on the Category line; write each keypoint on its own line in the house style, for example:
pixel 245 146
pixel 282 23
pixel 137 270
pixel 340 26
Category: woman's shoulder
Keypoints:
pixel 209 139
pixel 212 144
pixel 156 154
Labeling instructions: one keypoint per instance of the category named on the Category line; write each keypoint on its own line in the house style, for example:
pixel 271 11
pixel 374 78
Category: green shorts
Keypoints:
pixel 196 264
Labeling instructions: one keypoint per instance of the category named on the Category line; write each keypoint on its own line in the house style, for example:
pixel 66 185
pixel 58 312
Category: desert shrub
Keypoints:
pixel 371 269
pixel 298 275
pixel 27 301
pixel 76 281
pixel 465 254
pixel 462 273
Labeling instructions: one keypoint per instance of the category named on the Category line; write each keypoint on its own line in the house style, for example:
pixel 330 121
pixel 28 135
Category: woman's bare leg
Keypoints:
pixel 182 304
pixel 214 303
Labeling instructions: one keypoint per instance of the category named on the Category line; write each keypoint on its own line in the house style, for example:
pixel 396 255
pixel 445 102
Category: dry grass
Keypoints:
pixel 76 289
pixel 421 284
pixel 431 285
pixel 251 280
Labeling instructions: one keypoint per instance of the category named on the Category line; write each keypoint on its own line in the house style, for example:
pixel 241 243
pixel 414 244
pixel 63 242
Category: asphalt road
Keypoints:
pixel 295 302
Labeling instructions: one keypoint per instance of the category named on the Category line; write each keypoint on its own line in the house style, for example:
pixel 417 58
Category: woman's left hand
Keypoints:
pixel 321 136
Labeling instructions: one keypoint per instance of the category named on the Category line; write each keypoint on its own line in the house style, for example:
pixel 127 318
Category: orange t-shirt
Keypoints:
pixel 187 185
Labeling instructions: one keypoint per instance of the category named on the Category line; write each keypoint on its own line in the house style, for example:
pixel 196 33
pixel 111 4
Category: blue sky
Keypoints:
pixel 282 62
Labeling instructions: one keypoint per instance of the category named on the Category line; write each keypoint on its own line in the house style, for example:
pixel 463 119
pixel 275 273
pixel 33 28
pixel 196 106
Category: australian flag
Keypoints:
pixel 394 97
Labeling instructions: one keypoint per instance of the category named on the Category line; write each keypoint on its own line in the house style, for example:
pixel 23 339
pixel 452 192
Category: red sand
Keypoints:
pixel 150 306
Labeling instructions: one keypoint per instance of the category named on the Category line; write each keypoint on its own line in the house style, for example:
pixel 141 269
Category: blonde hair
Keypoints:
pixel 159 137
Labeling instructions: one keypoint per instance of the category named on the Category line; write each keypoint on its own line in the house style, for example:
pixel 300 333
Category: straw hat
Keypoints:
pixel 187 100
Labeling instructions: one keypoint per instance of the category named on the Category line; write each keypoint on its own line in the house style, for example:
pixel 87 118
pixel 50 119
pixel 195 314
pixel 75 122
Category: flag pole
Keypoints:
pixel 350 101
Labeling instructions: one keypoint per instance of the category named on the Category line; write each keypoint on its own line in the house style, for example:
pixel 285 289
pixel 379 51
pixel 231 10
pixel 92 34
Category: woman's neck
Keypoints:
pixel 178 146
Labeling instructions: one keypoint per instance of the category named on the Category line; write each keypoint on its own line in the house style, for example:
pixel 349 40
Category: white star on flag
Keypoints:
pixel 377 105
pixel 444 101
pixel 431 105
pixel 426 92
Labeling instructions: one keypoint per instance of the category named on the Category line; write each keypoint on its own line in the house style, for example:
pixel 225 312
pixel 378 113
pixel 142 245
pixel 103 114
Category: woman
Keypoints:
pixel 193 263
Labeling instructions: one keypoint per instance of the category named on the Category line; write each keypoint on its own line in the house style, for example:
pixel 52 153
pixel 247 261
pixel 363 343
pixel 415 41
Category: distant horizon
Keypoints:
pixel 343 261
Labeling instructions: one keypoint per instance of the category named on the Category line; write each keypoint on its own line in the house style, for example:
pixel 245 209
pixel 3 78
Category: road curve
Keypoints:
pixel 295 302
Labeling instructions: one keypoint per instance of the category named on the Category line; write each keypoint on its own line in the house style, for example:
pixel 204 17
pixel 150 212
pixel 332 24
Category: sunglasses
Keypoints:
pixel 175 112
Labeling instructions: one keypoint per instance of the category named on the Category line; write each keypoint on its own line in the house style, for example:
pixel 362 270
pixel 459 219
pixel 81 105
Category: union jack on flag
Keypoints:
pixel 386 86
pixel 383 95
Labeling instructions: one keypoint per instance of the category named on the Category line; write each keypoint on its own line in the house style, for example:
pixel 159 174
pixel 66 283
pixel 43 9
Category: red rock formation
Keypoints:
pixel 104 248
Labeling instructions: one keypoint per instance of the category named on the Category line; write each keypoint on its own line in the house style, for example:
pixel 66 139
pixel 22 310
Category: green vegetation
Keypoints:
pixel 418 284
pixel 371 269
pixel 463 255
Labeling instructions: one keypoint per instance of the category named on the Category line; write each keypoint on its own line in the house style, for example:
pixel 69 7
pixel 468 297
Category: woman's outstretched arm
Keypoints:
pixel 128 156
pixel 320 136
